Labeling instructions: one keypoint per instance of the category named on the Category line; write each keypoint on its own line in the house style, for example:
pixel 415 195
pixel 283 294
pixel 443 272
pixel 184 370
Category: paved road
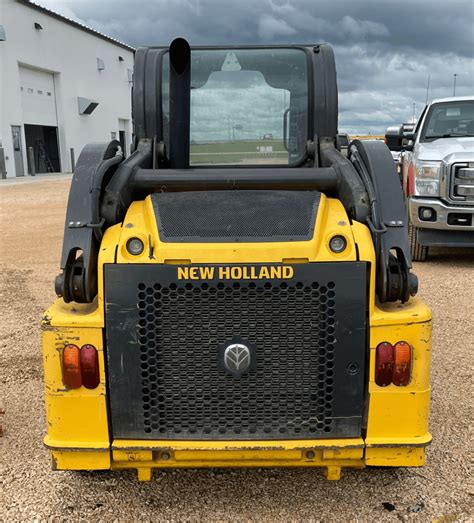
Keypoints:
pixel 31 221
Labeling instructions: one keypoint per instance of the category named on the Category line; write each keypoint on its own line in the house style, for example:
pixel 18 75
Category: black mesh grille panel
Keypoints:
pixel 289 393
pixel 306 336
pixel 218 216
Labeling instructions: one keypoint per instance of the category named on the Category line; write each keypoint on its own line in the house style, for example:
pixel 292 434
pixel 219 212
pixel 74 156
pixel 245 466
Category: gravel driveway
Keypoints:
pixel 31 221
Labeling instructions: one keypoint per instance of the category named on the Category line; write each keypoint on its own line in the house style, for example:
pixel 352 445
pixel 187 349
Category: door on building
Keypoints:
pixel 43 139
pixel 38 100
pixel 17 150
pixel 124 133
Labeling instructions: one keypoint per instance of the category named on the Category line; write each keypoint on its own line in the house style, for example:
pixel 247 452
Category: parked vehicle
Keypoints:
pixel 236 315
pixel 438 176
pixel 395 139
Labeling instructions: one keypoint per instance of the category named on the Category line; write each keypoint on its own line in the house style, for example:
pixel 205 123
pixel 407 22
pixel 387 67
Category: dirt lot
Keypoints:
pixel 32 215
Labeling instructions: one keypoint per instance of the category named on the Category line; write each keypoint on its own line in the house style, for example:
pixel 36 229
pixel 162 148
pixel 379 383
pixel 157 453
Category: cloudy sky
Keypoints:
pixel 385 50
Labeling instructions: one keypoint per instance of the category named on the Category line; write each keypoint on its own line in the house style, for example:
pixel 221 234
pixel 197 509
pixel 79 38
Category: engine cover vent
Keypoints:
pixel 236 216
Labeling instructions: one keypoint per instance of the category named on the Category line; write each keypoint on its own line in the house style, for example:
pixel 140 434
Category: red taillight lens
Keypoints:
pixel 383 364
pixel 401 364
pixel 72 367
pixel 89 367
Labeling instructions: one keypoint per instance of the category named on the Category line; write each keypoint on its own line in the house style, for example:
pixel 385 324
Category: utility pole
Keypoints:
pixel 454 87
pixel 428 89
pixel 235 127
pixel 414 105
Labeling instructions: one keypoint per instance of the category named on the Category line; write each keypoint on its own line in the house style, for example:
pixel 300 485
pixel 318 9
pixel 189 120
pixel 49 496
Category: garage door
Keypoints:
pixel 38 97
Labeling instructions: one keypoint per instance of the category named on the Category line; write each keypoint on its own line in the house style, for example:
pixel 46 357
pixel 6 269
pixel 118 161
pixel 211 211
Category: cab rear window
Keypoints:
pixel 248 106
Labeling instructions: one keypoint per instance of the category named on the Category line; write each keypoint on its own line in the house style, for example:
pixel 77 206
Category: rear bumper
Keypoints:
pixel 396 431
pixel 332 455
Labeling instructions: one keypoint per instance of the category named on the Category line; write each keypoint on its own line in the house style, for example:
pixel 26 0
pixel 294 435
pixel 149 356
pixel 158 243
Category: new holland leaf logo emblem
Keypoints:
pixel 237 358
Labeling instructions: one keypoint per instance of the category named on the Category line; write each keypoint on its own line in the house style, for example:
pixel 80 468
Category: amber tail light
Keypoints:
pixel 72 366
pixel 80 366
pixel 393 364
pixel 401 364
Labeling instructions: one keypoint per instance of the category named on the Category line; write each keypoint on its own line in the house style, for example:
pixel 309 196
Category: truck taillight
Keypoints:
pixel 80 366
pixel 89 367
pixel 72 367
pixel 401 364
pixel 393 364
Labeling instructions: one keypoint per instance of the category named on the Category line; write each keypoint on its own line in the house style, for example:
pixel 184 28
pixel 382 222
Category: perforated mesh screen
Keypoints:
pixel 166 340
pixel 208 216
pixel 184 391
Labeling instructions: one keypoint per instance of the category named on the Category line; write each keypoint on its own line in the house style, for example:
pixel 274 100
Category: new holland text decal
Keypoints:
pixel 236 272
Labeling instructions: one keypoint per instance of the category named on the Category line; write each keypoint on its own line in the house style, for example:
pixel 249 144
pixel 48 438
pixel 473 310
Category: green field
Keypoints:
pixel 238 152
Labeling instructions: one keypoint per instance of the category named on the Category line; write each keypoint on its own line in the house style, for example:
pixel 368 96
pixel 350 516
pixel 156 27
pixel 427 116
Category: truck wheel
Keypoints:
pixel 418 252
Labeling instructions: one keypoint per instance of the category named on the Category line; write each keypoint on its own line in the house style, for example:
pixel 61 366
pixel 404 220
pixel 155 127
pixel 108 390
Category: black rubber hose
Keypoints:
pixel 102 169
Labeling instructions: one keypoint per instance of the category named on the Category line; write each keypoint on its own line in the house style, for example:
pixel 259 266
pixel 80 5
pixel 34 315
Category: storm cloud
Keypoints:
pixel 385 51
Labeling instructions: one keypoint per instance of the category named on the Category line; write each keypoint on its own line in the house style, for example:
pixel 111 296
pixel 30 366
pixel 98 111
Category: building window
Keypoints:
pixel 40 91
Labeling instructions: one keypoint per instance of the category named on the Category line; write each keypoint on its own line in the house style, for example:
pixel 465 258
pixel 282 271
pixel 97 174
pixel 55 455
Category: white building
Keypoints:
pixel 62 85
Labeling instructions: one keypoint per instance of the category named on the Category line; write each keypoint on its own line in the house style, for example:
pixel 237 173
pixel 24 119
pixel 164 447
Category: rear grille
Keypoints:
pixel 185 392
pixel 462 182
pixel 165 338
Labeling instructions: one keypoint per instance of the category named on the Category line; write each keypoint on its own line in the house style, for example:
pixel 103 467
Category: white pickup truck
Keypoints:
pixel 438 176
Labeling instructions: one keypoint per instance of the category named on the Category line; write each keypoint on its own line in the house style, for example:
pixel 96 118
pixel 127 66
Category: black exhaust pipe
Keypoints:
pixel 180 102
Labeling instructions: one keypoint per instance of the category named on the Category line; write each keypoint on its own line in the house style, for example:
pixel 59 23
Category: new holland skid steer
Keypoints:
pixel 236 292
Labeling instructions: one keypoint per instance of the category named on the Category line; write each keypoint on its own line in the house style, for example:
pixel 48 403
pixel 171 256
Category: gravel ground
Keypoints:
pixel 32 217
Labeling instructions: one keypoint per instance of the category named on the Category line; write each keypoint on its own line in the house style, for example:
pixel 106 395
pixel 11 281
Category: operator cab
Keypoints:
pixel 248 106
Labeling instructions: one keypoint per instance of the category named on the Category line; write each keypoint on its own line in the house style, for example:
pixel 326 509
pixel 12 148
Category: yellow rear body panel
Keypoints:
pixel 397 417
